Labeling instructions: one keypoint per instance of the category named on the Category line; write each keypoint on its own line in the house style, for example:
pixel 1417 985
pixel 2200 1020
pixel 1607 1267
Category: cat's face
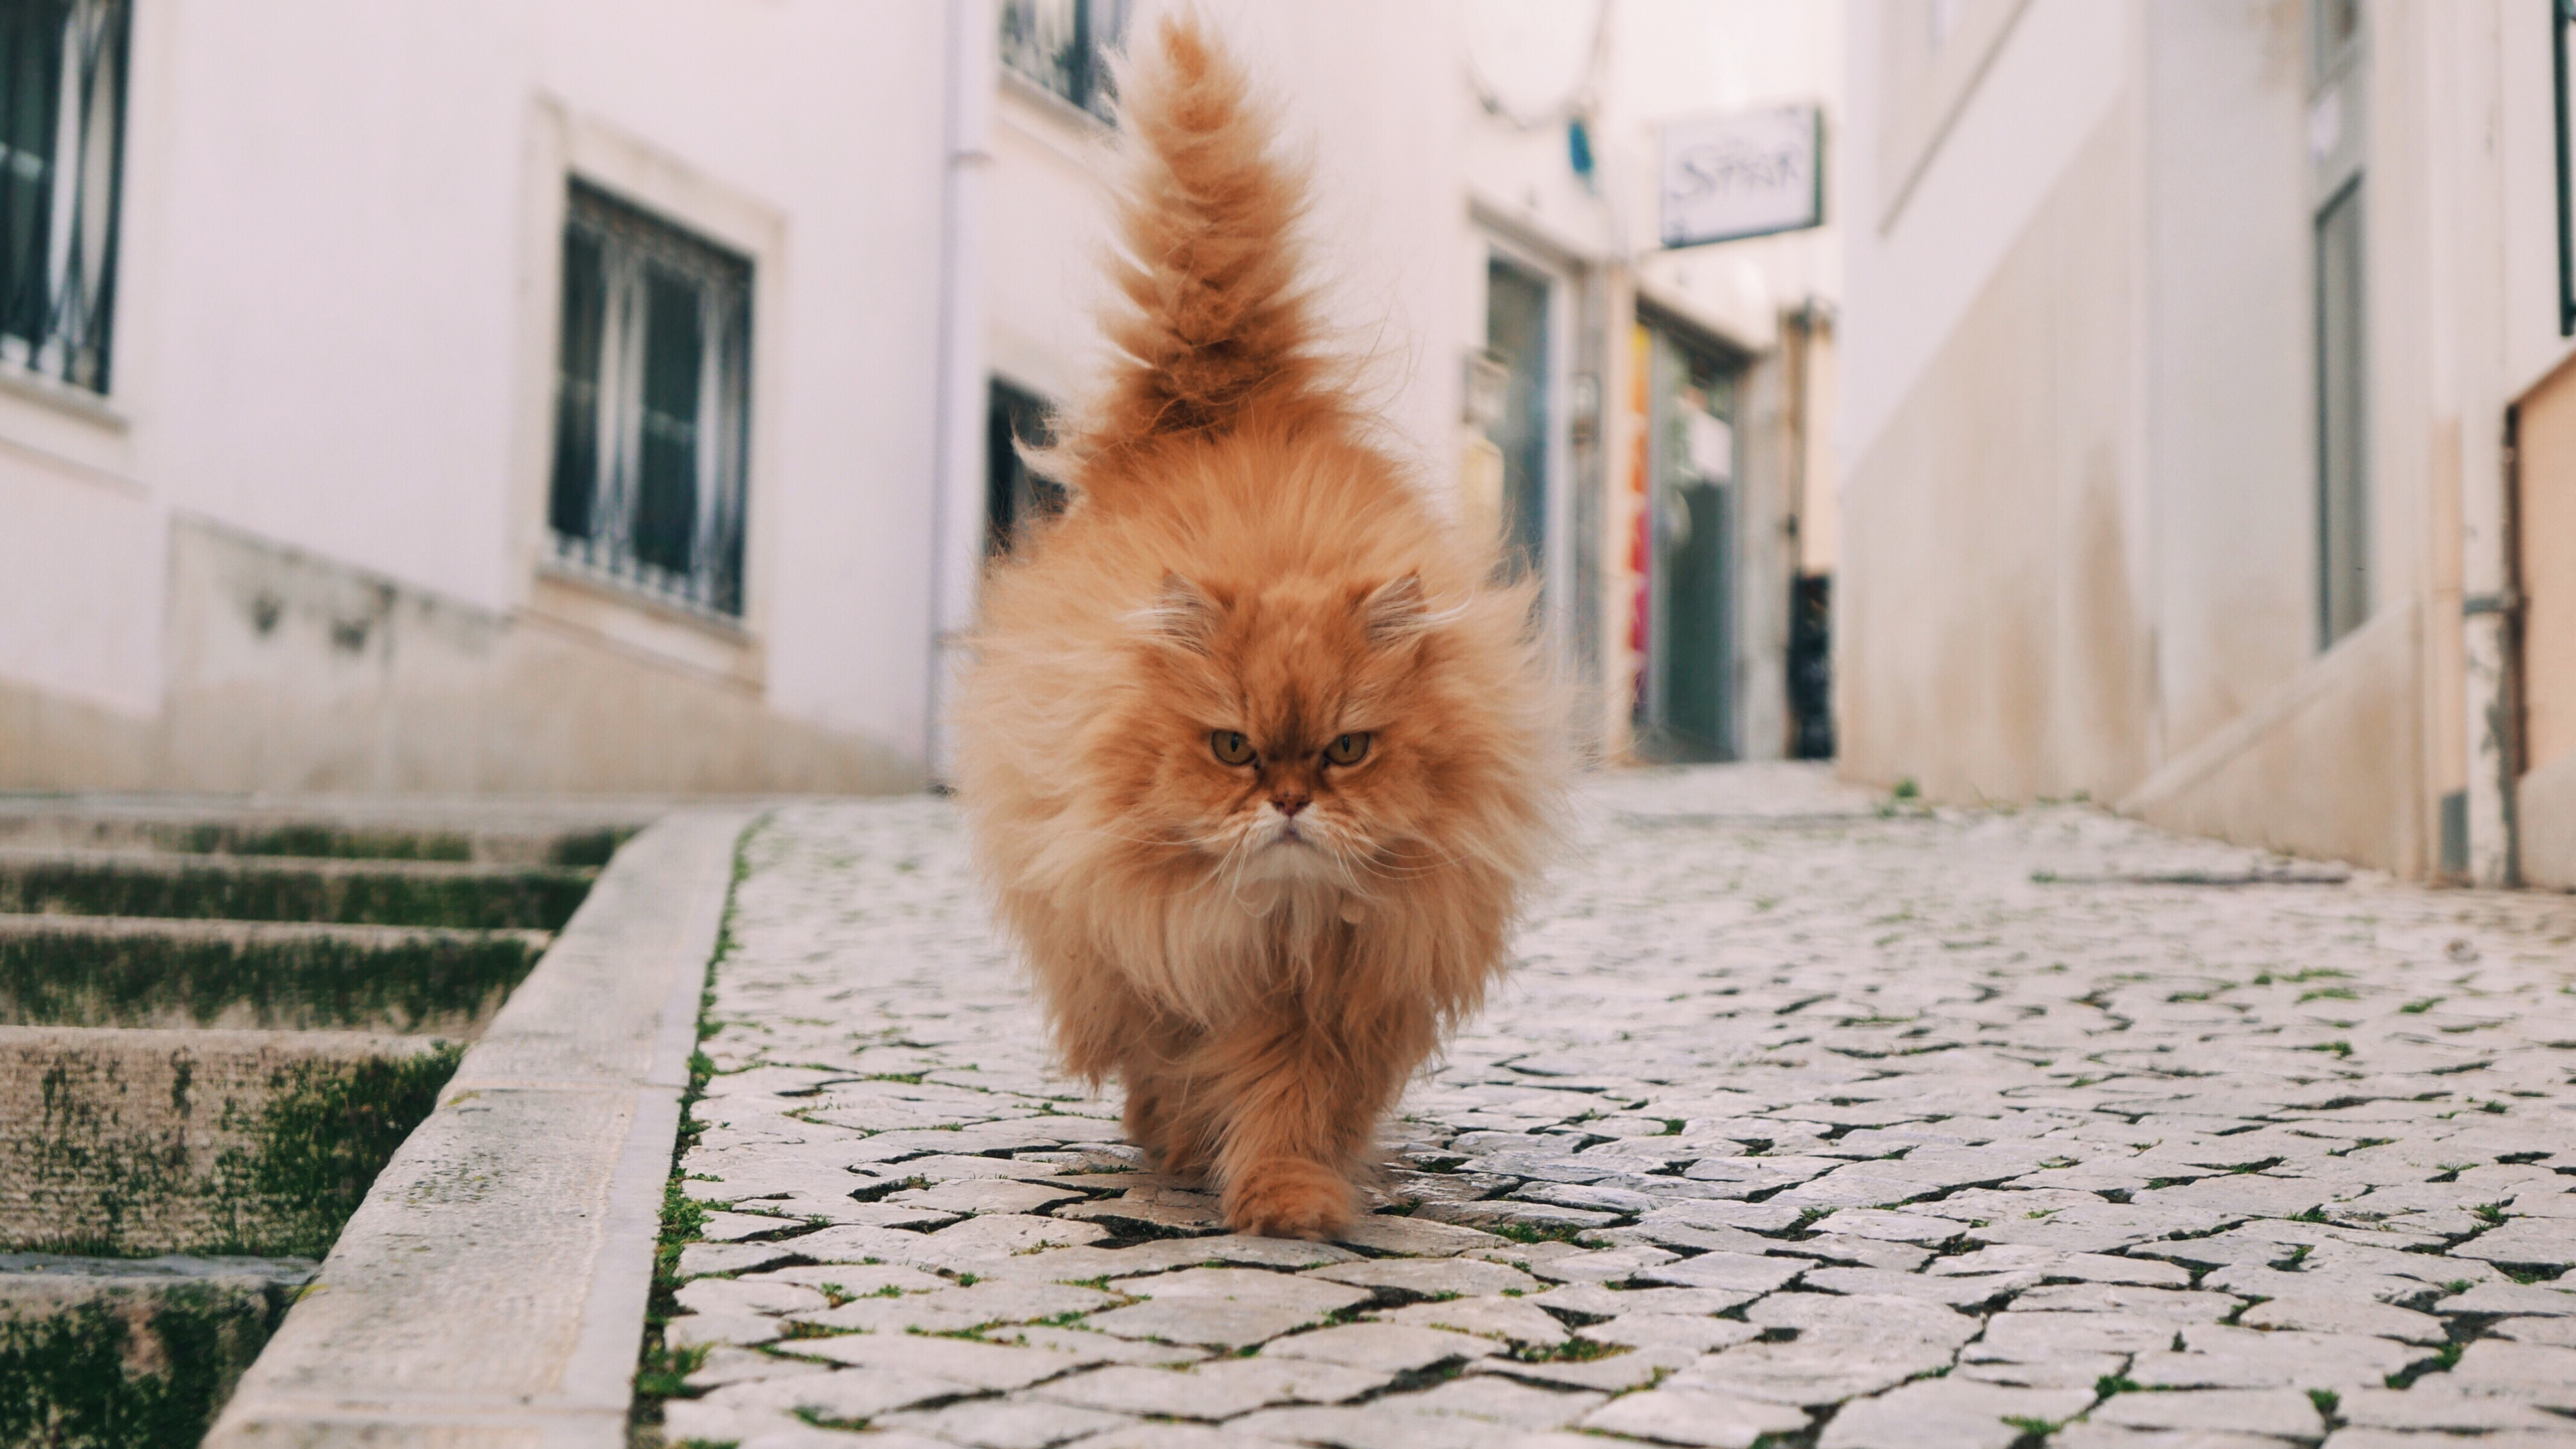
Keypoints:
pixel 1290 733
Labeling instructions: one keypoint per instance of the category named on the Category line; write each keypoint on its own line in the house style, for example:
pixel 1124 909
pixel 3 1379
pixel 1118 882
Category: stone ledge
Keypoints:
pixel 492 1289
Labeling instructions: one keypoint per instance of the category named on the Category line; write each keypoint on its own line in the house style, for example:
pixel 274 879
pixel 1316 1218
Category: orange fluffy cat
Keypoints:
pixel 1259 759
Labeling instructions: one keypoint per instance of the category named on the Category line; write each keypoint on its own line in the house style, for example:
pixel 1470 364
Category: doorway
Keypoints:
pixel 1688 711
pixel 1516 338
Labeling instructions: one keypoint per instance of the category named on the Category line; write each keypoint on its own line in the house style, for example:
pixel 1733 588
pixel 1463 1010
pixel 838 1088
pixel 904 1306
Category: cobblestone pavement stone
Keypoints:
pixel 1805 1119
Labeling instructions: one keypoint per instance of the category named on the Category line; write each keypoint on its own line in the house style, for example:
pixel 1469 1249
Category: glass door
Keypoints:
pixel 1689 707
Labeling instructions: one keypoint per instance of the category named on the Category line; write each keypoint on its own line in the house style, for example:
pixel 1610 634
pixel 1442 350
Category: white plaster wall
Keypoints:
pixel 324 290
pixel 81 576
pixel 2226 509
pixel 1367 90
pixel 2521 123
pixel 2047 90
pixel 2111 246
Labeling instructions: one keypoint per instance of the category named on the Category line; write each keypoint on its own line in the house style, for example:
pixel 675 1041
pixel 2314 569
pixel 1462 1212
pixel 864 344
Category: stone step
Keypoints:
pixel 460 894
pixel 127 1141
pixel 98 1353
pixel 572 833
pixel 131 971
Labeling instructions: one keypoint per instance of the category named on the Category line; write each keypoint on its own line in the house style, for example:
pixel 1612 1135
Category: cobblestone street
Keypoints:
pixel 1808 1118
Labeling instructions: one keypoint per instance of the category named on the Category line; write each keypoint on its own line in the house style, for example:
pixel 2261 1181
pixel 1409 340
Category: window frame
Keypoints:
pixel 1088 85
pixel 1556 566
pixel 562 142
pixel 645 262
pixel 72 344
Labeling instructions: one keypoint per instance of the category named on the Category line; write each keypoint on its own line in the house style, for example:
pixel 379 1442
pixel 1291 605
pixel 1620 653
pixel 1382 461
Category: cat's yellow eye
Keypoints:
pixel 1347 750
pixel 1231 747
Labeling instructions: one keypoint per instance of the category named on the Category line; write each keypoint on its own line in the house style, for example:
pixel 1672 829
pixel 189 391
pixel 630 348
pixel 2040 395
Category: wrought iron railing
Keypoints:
pixel 652 407
pixel 62 143
pixel 1064 45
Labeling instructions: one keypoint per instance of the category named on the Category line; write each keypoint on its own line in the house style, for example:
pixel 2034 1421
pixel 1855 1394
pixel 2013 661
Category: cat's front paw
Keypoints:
pixel 1289 1198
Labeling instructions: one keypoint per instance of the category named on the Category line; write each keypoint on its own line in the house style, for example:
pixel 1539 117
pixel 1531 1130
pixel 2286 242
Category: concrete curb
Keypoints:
pixel 492 1289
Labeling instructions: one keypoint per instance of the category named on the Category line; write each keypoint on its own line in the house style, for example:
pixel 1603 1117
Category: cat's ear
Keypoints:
pixel 1395 610
pixel 1181 615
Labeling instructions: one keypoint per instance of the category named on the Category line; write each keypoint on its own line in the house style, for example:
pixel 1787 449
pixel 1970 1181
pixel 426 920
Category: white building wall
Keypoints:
pixel 338 335
pixel 2081 407
pixel 1914 271
pixel 335 359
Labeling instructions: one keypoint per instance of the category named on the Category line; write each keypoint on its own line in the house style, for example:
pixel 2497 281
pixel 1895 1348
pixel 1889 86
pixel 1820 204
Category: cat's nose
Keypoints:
pixel 1288 805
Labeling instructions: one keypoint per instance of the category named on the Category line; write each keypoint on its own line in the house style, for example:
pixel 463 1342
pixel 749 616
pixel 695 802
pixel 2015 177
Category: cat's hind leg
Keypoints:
pixel 1166 1116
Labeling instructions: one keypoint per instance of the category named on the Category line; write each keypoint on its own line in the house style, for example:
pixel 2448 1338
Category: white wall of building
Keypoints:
pixel 2081 411
pixel 335 347
pixel 329 278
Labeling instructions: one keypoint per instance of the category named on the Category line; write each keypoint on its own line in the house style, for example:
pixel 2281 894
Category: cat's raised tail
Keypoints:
pixel 1216 327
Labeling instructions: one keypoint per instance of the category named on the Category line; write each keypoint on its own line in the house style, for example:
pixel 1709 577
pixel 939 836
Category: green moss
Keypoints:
pixel 1530 1233
pixel 317 1144
pixel 659 1375
pixel 447 982
pixel 325 841
pixel 539 898
pixel 138 1374
pixel 588 848
pixel 1572 1350
pixel 314 840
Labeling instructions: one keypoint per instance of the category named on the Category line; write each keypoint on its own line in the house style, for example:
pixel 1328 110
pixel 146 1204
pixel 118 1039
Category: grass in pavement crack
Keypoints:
pixel 661 1371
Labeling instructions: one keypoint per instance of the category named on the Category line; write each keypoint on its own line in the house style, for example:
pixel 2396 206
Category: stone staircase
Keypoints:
pixel 218 1021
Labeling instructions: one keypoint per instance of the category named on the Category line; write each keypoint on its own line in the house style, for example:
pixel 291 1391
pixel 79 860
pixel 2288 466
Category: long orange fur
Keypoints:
pixel 1239 556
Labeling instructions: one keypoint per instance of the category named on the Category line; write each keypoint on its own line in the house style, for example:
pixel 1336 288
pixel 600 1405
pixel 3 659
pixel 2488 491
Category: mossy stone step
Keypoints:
pixel 461 895
pixel 116 1353
pixel 144 972
pixel 272 832
pixel 132 1141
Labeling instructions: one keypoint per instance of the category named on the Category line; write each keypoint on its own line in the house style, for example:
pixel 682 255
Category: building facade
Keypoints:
pixel 2202 420
pixel 467 397
pixel 1656 428
pixel 564 396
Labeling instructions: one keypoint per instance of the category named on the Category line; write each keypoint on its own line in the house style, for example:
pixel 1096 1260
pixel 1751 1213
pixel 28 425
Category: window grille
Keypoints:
pixel 62 125
pixel 652 407
pixel 1064 45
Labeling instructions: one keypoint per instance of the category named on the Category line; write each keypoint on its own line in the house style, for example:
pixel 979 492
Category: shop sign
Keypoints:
pixel 1749 173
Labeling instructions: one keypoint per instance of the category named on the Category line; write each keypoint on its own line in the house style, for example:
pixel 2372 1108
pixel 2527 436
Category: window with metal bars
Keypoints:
pixel 62 141
pixel 1064 46
pixel 652 407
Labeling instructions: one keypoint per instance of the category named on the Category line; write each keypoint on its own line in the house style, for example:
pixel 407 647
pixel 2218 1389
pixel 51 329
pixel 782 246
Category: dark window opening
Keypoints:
pixel 62 142
pixel 1015 498
pixel 652 407
pixel 1064 46
pixel 1811 666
